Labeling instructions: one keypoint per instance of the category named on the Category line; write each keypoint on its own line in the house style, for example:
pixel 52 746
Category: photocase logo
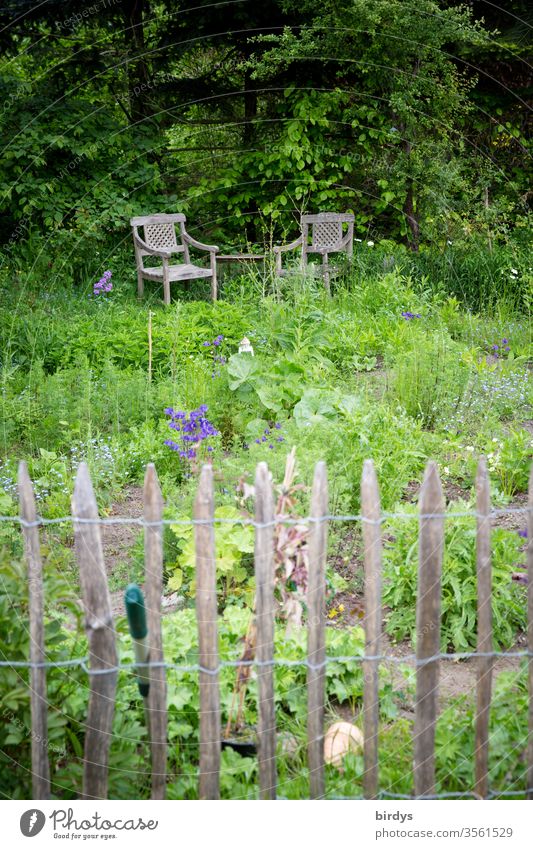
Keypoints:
pixel 32 822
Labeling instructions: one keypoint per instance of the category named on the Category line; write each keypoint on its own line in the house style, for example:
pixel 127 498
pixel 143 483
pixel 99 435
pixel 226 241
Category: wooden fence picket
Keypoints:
pixel 529 556
pixel 264 593
pixel 428 629
pixel 484 629
pixel 316 632
pixel 153 585
pixel 101 636
pixel 40 765
pixel 206 613
pixel 371 511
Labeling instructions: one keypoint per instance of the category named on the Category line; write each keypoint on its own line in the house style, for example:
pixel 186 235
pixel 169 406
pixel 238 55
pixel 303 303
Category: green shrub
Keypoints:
pixel 459 581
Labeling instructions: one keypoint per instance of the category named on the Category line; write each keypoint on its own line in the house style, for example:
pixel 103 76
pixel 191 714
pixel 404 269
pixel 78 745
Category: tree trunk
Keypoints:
pixel 409 212
pixel 139 83
pixel 250 114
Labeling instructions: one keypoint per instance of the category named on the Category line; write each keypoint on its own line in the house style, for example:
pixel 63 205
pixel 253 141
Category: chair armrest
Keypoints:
pixel 196 244
pixel 297 242
pixel 152 251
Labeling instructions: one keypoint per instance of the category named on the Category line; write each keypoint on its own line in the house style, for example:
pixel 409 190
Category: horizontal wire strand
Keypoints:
pixel 142 522
pixel 82 662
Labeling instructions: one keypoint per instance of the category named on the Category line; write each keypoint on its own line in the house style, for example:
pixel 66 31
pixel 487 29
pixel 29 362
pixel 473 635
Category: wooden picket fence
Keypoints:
pixel 102 638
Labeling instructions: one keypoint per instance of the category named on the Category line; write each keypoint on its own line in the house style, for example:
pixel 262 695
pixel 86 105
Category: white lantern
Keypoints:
pixel 245 346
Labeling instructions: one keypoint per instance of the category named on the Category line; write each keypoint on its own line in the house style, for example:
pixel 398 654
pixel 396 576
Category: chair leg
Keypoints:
pixel 140 284
pixel 326 274
pixel 166 290
pixel 213 277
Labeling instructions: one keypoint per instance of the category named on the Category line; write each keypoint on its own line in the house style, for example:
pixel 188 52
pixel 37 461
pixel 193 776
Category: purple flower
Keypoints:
pixel 271 446
pixel 504 341
pixel 523 533
pixel 280 439
pixel 409 315
pixel 104 284
pixel 277 426
pixel 193 429
pixel 258 441
pixel 206 344
pixel 267 431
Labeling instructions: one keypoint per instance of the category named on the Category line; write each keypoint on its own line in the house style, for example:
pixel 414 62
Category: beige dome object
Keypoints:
pixel 341 738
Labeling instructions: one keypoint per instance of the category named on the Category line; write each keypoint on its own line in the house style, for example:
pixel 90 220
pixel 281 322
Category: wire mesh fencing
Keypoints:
pixel 101 664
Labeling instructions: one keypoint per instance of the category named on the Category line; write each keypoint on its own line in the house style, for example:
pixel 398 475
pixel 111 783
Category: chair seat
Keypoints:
pixel 183 271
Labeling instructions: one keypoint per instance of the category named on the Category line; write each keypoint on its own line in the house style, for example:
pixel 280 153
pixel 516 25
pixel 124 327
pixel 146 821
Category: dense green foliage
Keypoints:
pixel 243 116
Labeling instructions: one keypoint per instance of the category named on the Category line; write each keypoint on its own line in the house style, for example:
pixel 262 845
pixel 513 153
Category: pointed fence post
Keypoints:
pixel 428 629
pixel 316 632
pixel 530 634
pixel 153 587
pixel 40 766
pixel 264 593
pixel 484 629
pixel 206 614
pixel 101 636
pixel 371 511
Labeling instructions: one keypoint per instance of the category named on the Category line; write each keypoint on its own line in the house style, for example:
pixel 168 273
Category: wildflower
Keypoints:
pixel 277 426
pixel 523 533
pixel 409 315
pixel 370 244
pixel 104 284
pixel 193 429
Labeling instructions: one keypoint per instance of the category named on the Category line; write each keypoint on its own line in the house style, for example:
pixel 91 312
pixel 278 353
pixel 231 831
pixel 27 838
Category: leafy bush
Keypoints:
pixel 459 582
pixel 427 378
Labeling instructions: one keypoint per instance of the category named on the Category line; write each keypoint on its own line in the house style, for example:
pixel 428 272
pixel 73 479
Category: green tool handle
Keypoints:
pixel 142 655
pixel 136 614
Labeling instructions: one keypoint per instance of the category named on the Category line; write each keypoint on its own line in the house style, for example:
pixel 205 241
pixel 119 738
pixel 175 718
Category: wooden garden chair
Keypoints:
pixel 161 240
pixel 321 234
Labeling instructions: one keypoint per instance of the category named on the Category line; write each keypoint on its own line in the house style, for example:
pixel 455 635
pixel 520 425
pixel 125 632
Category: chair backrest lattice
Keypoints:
pixel 327 234
pixel 159 233
pixel 161 236
pixel 325 230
